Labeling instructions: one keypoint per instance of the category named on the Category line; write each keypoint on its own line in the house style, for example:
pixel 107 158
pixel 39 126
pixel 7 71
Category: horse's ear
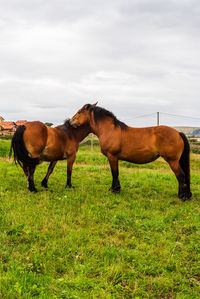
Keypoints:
pixel 87 106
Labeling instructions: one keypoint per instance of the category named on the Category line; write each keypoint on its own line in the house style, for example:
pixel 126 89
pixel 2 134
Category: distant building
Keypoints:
pixel 20 122
pixel 7 127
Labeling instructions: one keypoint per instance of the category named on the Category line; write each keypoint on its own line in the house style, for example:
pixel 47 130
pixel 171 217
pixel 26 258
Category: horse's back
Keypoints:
pixel 143 145
pixel 56 145
pixel 169 142
pixel 49 144
pixel 35 137
pixel 167 136
pixel 157 135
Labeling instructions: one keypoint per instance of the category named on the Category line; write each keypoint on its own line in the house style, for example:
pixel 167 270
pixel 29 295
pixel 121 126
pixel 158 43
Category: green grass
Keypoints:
pixel 89 243
pixel 4 148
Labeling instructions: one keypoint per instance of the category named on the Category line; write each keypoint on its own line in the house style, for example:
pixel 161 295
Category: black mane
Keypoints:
pixel 65 127
pixel 101 113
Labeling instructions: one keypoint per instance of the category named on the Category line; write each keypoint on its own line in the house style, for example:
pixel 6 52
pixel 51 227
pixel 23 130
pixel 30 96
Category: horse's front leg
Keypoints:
pixel 70 162
pixel 49 171
pixel 113 160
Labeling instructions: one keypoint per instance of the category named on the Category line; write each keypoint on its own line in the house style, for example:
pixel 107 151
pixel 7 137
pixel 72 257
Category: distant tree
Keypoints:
pixel 1 119
pixel 49 124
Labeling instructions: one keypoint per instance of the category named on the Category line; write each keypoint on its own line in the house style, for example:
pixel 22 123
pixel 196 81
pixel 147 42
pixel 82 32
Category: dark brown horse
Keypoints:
pixel 137 145
pixel 34 142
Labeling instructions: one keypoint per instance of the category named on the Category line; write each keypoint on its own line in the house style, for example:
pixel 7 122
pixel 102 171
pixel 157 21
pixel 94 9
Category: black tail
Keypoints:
pixel 185 159
pixel 21 155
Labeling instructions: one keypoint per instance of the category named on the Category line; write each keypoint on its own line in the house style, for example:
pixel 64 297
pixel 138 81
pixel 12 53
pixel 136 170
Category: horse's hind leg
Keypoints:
pixel 25 169
pixel 183 193
pixel 26 172
pixel 31 185
pixel 49 171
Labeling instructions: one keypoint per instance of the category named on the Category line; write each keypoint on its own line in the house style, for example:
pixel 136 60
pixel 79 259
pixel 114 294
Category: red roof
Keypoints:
pixel 20 122
pixel 7 125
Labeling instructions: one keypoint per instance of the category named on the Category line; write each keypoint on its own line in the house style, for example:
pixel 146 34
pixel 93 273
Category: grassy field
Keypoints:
pixel 89 243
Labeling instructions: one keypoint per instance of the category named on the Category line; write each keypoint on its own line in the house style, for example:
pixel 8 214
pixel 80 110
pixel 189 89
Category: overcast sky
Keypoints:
pixel 134 56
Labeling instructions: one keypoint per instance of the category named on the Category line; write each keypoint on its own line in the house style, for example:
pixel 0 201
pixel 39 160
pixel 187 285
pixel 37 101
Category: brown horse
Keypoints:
pixel 137 145
pixel 34 142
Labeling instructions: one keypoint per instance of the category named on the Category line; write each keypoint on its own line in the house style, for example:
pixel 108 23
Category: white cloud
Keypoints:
pixel 134 57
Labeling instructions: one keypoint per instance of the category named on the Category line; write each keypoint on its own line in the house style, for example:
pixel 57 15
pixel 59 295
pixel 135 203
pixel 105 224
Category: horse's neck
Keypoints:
pixel 101 127
pixel 80 133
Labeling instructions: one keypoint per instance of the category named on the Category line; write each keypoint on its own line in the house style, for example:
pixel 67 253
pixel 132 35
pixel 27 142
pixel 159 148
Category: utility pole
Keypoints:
pixel 158 119
pixel 92 143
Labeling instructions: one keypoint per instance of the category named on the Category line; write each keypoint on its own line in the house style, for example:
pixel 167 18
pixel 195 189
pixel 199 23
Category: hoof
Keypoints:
pixel 33 190
pixel 115 189
pixel 70 186
pixel 185 196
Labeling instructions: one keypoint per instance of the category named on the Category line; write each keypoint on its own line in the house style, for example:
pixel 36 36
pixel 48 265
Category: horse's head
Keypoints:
pixel 82 116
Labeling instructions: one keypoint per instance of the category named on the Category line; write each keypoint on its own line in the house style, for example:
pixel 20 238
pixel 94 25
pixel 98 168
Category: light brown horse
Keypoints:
pixel 137 145
pixel 34 142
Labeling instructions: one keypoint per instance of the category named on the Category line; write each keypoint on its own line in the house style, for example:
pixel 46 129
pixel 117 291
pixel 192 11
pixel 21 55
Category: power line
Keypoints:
pixel 180 116
pixel 144 115
pixel 165 113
